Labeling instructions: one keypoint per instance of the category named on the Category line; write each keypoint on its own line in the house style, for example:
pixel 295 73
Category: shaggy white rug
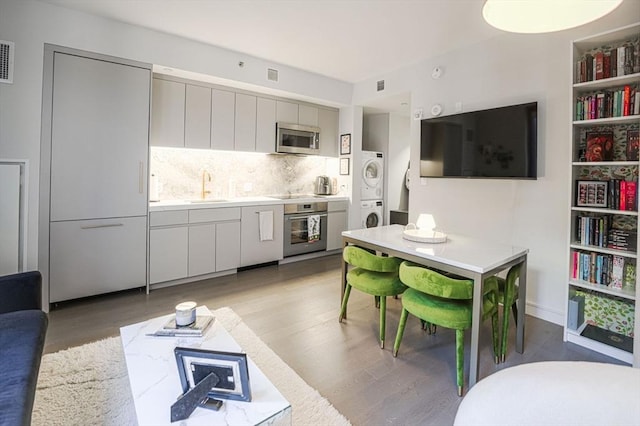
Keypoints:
pixel 88 385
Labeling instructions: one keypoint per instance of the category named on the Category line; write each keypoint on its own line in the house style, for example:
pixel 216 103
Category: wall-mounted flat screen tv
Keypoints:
pixel 492 143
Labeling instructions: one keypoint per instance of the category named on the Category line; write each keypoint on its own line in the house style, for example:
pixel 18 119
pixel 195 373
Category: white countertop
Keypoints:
pixel 166 205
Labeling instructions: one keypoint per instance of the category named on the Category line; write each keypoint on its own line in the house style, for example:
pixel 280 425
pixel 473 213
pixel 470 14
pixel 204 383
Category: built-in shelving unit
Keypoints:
pixel 602 287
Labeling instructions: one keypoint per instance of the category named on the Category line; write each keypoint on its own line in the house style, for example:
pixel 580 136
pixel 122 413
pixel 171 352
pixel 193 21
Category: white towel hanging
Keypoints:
pixel 266 225
pixel 313 228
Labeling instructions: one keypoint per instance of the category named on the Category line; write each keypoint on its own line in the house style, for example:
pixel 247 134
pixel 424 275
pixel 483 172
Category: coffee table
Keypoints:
pixel 155 384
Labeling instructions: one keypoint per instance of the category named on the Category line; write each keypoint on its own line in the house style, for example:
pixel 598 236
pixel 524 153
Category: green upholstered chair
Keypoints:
pixel 372 274
pixel 507 297
pixel 445 301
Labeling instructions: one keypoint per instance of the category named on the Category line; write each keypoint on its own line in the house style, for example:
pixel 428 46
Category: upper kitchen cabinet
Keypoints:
pixel 245 123
pixel 286 112
pixel 307 115
pixel 197 117
pixel 168 117
pixel 328 123
pixel 223 110
pixel 265 125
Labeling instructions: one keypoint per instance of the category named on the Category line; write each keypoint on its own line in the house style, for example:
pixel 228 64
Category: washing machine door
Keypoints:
pixel 372 220
pixel 372 173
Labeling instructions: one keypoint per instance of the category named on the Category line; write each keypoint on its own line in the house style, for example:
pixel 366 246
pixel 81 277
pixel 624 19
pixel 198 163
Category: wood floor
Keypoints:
pixel 294 309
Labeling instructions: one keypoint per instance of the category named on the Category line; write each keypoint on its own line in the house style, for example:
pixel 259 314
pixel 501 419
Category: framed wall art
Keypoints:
pixel 344 166
pixel 345 144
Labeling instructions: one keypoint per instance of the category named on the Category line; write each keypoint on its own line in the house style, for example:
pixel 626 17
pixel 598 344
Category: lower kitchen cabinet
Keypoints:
pixel 190 243
pixel 255 250
pixel 202 249
pixel 227 246
pixel 168 254
pixel 90 257
pixel 337 221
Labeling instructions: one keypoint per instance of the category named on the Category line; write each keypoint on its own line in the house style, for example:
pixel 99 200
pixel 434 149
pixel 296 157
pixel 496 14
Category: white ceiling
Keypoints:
pixel 350 40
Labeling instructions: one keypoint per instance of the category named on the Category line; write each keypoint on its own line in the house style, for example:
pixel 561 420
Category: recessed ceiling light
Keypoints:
pixel 543 16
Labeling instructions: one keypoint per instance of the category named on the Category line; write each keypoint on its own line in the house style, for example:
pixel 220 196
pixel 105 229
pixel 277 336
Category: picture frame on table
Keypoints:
pixel 592 193
pixel 345 144
pixel 231 369
pixel 344 166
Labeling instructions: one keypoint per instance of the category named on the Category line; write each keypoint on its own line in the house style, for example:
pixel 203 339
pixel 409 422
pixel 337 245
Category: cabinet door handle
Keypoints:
pixel 140 177
pixel 109 225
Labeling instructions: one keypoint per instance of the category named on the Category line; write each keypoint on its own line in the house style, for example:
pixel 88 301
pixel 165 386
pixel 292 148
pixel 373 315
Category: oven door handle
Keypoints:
pixel 302 216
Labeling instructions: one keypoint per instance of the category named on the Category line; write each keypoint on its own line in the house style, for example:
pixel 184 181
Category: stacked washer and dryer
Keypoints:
pixel 372 191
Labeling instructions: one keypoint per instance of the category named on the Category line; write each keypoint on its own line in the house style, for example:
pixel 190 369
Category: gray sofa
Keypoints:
pixel 23 327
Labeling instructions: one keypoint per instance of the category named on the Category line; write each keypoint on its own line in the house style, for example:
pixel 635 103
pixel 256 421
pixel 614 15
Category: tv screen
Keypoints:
pixel 492 143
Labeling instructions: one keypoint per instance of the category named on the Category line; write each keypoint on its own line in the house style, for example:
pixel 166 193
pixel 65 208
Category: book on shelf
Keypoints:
pixel 633 143
pixel 620 102
pixel 622 59
pixel 617 272
pixel 599 146
pixel 196 329
pixel 622 239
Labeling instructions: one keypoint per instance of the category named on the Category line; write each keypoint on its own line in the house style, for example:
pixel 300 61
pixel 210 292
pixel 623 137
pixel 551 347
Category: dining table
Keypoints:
pixel 468 257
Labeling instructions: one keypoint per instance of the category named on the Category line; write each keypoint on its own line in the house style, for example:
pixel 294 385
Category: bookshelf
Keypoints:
pixel 602 291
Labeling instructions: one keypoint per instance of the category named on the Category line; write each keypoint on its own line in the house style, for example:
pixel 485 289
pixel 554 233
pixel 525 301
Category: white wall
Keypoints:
pixel 508 69
pixel 31 24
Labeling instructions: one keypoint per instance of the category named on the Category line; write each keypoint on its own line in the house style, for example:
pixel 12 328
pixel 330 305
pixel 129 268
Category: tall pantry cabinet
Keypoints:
pixel 603 292
pixel 94 168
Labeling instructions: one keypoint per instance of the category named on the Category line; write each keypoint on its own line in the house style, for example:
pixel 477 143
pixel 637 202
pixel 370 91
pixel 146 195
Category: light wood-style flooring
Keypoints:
pixel 294 309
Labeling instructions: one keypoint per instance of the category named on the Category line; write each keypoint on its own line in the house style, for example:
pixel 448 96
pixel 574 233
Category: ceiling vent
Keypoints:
pixel 272 75
pixel 6 61
pixel 380 85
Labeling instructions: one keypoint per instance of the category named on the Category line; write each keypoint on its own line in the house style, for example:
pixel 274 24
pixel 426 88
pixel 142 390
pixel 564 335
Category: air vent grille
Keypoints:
pixel 272 74
pixel 380 85
pixel 6 61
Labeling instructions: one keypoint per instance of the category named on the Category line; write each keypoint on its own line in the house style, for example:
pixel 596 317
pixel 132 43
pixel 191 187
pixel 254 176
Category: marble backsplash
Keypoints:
pixel 177 173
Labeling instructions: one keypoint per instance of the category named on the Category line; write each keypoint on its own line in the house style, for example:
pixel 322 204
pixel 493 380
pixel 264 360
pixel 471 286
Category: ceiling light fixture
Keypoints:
pixel 543 16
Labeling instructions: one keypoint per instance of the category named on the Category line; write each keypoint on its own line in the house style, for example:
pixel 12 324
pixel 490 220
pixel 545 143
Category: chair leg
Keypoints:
pixel 345 299
pixel 495 336
pixel 401 325
pixel 383 319
pixel 376 300
pixel 505 334
pixel 460 360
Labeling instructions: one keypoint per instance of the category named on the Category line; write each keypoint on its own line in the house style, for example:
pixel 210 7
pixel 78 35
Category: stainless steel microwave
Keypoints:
pixel 297 139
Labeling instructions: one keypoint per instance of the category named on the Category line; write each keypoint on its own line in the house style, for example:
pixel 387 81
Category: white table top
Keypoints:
pixel 155 384
pixel 462 252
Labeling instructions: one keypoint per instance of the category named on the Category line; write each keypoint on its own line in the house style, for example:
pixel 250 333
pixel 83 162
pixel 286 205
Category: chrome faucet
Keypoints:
pixel 205 176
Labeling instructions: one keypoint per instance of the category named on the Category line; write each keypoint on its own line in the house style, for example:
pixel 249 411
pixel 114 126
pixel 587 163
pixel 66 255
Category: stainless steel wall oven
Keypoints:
pixel 305 228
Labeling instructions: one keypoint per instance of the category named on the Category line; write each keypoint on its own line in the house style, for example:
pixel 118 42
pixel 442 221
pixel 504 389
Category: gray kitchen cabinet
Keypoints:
pixel 254 250
pixel 93 201
pixel 189 243
pixel 308 115
pixel 223 110
pixel 227 245
pixel 245 123
pixel 202 249
pixel 168 253
pixel 286 112
pixel 328 123
pixel 90 257
pixel 167 123
pixel 337 221
pixel 197 117
pixel 265 125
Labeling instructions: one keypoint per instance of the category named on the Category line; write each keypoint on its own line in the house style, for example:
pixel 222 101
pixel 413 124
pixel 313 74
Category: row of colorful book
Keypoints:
pixel 615 62
pixel 604 269
pixel 609 103
pixel 598 231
